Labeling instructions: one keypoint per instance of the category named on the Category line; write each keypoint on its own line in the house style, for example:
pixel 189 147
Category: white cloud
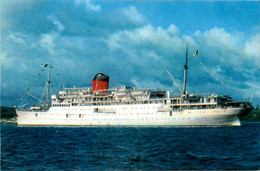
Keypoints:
pixel 113 41
pixel 140 83
pixel 6 62
pixel 152 54
pixel 146 34
pixel 57 23
pixel 13 64
pixel 14 5
pixel 131 50
pixel 219 37
pixel 252 47
pixel 173 29
pixel 132 13
pixel 18 38
pixel 197 33
pixel 154 48
pixel 47 41
pixel 254 92
pixel 20 41
pixel 10 7
pixel 89 5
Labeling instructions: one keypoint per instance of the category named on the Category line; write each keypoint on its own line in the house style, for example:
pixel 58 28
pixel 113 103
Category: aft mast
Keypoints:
pixel 185 71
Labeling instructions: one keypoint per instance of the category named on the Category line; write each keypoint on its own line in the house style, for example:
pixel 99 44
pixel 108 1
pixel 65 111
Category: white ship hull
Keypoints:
pixel 130 115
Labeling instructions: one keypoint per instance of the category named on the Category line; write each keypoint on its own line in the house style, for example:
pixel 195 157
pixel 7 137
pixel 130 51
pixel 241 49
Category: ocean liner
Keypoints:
pixel 98 105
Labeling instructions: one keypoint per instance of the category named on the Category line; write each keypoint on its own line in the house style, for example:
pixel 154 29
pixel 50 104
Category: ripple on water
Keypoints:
pixel 130 148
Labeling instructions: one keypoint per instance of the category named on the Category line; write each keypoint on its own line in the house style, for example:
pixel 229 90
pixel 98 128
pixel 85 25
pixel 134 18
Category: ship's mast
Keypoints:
pixel 48 84
pixel 185 71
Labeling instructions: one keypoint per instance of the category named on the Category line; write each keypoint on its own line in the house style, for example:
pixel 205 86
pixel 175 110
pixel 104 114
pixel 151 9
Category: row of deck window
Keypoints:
pixel 102 113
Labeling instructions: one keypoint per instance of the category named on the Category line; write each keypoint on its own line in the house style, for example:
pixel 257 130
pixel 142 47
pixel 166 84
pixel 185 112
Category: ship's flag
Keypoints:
pixel 195 53
pixel 44 65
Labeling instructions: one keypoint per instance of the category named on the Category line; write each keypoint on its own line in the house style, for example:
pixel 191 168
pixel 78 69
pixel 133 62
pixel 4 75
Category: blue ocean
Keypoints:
pixel 130 148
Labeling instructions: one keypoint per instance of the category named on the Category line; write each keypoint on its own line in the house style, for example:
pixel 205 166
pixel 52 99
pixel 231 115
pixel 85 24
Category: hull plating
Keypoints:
pixel 129 115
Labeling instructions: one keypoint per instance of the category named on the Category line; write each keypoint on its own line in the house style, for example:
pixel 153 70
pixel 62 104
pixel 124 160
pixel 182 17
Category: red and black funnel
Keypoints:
pixel 100 82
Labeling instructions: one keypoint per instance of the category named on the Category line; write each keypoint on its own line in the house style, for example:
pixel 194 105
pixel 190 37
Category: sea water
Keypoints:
pixel 130 148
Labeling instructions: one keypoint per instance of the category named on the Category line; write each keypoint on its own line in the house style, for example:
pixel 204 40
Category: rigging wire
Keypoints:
pixel 43 92
pixel 34 87
pixel 30 89
pixel 213 75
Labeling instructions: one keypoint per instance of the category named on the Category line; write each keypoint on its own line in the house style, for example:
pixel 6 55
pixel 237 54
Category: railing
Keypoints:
pixel 96 103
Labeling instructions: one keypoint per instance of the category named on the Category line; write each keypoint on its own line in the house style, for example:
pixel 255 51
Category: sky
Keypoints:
pixel 132 42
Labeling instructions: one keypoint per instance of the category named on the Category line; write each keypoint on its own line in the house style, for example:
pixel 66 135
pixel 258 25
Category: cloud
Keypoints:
pixel 252 47
pixel 128 48
pixel 153 48
pixel 219 37
pixel 132 14
pixel 145 35
pixel 60 27
pixel 24 16
pixel 172 29
pixel 48 42
pixel 152 84
pixel 89 5
pixel 16 5
pixel 18 38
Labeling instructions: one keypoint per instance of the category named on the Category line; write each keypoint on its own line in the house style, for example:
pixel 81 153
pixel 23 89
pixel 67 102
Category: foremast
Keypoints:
pixel 48 84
